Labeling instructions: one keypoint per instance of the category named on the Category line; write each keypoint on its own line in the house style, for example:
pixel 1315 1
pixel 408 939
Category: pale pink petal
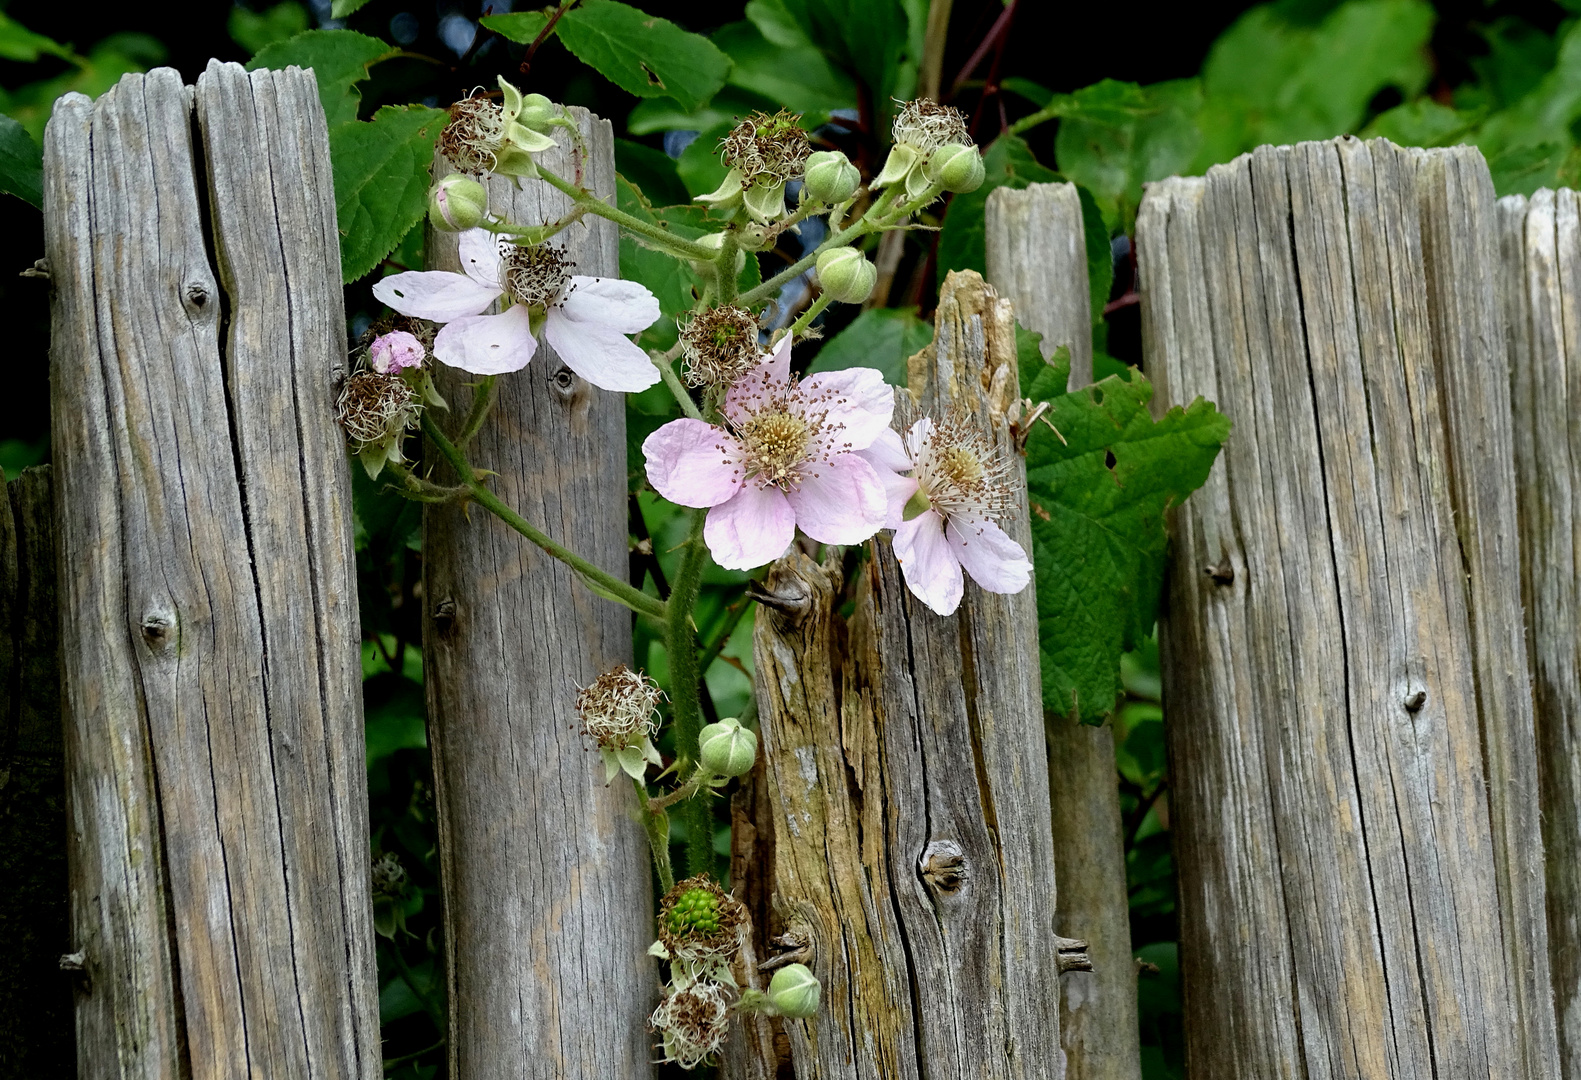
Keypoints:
pixel 888 451
pixel 487 344
pixel 857 398
pixel 777 365
pixel 396 350
pixel 928 563
pixel 995 561
pixel 917 437
pixel 434 294
pixel 480 257
pixel 889 459
pixel 693 463
pixel 839 501
pixel 622 306
pixel 603 357
pixel 750 529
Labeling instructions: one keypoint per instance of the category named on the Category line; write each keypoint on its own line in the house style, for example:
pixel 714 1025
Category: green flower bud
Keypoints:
pixel 846 275
pixel 536 112
pixel 956 168
pixel 794 991
pixel 830 177
pixel 727 748
pixel 457 203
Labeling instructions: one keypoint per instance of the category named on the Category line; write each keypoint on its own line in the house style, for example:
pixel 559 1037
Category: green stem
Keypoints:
pixel 484 395
pixel 417 489
pixel 1052 111
pixel 680 643
pixel 725 269
pixel 657 825
pixel 693 784
pixel 435 1013
pixel 663 237
pixel 397 1062
pixel 814 309
pixel 868 222
pixel 721 633
pixel 683 396
pixel 605 584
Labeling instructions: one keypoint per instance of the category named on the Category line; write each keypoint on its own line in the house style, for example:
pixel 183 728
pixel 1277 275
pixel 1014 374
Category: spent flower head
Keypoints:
pixel 698 931
pixel 694 1021
pixel 762 154
pixel 719 346
pixel 619 711
pixel 485 137
pixel 925 129
pixel 376 410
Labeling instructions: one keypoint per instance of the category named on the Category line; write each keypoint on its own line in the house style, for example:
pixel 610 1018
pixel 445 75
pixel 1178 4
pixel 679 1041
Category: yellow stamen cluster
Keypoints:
pixel 961 473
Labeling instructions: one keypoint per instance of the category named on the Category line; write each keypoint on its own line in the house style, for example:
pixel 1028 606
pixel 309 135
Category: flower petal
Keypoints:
pixel 693 463
pixel 603 357
pixel 773 371
pixel 480 257
pixel 928 563
pixel 917 437
pixel 434 294
pixel 840 501
pixel 889 459
pixel 625 307
pixel 995 561
pixel 487 344
pixel 857 398
pixel 394 351
pixel 753 528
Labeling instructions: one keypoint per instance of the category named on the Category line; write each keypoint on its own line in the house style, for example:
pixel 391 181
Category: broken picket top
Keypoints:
pixel 899 820
pixel 1352 734
pixel 209 639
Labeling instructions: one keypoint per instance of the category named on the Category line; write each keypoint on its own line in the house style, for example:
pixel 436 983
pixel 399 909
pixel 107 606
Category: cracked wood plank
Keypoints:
pixel 900 820
pixel 1540 279
pixel 209 637
pixel 1356 899
pixel 545 941
pixel 1037 258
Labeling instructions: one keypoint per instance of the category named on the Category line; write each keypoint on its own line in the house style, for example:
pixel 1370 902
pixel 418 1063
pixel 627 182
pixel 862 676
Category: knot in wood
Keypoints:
pixel 445 615
pixel 1415 702
pixel 564 383
pixel 795 947
pixel 75 961
pixel 197 294
pixel 791 596
pixel 1071 954
pixel 943 865
pixel 1222 574
pixel 159 628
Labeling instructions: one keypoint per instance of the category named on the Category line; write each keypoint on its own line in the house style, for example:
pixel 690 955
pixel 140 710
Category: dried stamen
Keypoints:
pixel 767 149
pixel 474 135
pixel 719 345
pixel 372 407
pixel 961 473
pixel 927 125
pixel 620 708
pixel 694 1022
pixel 534 275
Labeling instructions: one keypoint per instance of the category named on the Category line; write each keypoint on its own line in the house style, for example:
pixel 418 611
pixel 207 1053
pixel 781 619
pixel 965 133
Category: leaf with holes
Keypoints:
pixel 339 59
pixel 644 54
pixel 381 181
pixel 1098 491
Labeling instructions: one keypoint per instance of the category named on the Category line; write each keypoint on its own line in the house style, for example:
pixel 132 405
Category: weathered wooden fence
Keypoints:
pixel 211 678
pixel 1037 258
pixel 547 886
pixel 1361 885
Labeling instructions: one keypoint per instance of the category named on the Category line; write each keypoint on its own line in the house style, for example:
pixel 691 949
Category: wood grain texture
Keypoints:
pixel 905 827
pixel 37 1038
pixel 548 905
pixel 209 642
pixel 1540 278
pixel 1037 258
pixel 1346 901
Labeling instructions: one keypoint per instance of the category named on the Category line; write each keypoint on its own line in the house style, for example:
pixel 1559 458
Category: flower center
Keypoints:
pixel 474 135
pixel 767 149
pixel 720 345
pixel 961 474
pixel 534 276
pixel 776 444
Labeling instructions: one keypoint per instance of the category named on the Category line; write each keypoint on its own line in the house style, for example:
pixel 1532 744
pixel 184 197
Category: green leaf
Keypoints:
pixel 1519 55
pixel 1033 92
pixel 1100 256
pixel 882 338
pixel 1116 136
pixel 339 59
pixel 522 26
pixel 1041 380
pixel 19 43
pixel 662 114
pixel 1098 501
pixel 102 68
pixel 699 166
pixel 880 41
pixel 256 30
pixel 1423 122
pixel 381 181
pixel 778 24
pixel 795 76
pixel 1008 162
pixel 342 8
pixel 644 54
pixel 21 163
pixel 650 171
pixel 1543 116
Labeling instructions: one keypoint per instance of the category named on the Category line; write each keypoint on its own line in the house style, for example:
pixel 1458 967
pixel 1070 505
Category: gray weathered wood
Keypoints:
pixel 1540 278
pixel 1348 908
pixel 548 902
pixel 905 835
pixel 209 636
pixel 1037 258
pixel 36 1034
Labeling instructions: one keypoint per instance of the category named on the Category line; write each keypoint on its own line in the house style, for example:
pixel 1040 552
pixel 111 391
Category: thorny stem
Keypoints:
pixel 484 395
pixel 683 397
pixel 814 309
pixel 682 793
pixel 657 825
pixel 417 489
pixel 1052 111
pixel 868 223
pixel 725 267
pixel 594 205
pixel 680 644
pixel 605 584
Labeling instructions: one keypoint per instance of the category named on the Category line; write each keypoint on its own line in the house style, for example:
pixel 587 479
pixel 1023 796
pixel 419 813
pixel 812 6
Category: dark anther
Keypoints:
pixel 1222 574
pixel 943 865
pixel 444 615
pixel 1415 702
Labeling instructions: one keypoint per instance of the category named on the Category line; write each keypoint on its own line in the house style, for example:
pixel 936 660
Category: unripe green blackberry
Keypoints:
pixel 830 177
pixel 846 275
pixel 698 921
pixel 696 911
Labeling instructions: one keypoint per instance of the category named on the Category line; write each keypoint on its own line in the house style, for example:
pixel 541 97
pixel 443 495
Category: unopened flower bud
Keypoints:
pixel 846 275
pixel 794 991
pixel 727 748
pixel 457 203
pixel 830 177
pixel 536 112
pixel 392 352
pixel 956 168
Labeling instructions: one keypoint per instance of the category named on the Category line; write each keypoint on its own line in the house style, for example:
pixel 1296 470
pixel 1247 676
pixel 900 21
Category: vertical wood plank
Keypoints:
pixel 36 1032
pixel 545 938
pixel 210 638
pixel 1037 258
pixel 1540 276
pixel 1336 846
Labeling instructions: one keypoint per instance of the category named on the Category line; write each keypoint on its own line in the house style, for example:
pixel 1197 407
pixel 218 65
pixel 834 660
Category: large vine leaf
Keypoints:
pixel 21 163
pixel 339 59
pixel 882 338
pixel 381 181
pixel 644 54
pixel 1098 500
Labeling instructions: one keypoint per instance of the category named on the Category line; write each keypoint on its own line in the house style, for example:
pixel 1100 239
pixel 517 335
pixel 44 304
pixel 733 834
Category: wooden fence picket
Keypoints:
pixel 209 637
